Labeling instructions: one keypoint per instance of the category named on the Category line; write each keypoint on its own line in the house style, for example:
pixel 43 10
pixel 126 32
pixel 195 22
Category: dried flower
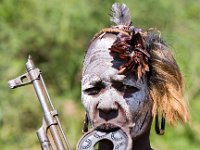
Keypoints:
pixel 131 49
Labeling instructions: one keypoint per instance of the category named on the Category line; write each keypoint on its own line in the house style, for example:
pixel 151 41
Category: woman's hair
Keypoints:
pixel 165 80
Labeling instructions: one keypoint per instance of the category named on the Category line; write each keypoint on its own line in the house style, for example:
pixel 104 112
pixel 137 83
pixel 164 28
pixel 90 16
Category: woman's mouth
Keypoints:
pixel 107 127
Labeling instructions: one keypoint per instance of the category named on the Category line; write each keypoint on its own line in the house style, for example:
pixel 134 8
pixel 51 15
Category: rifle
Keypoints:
pixel 50 118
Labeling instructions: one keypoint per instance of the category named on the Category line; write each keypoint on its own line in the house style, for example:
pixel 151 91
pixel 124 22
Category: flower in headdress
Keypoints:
pixel 130 48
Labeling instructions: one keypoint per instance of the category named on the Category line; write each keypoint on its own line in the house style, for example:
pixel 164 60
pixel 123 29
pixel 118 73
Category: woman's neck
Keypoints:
pixel 142 143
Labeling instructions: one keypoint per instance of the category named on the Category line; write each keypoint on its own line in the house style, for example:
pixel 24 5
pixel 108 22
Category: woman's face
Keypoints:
pixel 110 99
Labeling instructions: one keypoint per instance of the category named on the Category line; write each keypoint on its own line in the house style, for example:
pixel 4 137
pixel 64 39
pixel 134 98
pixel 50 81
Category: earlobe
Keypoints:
pixel 85 124
pixel 160 130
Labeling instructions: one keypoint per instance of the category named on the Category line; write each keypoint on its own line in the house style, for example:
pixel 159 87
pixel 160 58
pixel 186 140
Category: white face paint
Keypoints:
pixel 112 98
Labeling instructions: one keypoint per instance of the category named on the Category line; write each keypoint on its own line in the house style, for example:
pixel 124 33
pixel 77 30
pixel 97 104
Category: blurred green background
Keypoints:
pixel 56 33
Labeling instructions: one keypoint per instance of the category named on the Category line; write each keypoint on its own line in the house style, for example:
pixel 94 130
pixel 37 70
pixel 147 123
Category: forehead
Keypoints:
pixel 98 57
pixel 98 60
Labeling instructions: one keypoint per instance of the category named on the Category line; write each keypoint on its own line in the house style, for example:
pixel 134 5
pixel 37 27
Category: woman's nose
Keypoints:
pixel 107 109
pixel 108 114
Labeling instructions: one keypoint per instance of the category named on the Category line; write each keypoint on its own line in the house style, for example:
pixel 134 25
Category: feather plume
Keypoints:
pixel 120 14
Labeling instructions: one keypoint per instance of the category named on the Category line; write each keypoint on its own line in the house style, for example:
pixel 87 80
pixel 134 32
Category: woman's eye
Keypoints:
pixel 125 88
pixel 131 89
pixel 93 90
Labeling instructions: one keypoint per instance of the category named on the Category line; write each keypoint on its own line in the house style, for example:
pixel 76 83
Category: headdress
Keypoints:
pixel 145 53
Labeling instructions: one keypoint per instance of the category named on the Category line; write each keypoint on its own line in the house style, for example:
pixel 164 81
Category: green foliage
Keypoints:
pixel 56 34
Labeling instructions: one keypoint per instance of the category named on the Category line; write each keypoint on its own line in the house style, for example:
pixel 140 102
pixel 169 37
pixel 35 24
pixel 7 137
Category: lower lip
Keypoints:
pixel 107 127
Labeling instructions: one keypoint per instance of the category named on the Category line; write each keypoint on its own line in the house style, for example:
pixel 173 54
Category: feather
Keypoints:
pixel 120 14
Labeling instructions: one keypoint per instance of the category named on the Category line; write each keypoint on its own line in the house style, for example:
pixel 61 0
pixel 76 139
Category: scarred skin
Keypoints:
pixel 113 98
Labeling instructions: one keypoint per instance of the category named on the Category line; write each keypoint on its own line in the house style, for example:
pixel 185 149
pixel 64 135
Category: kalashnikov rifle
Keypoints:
pixel 50 118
